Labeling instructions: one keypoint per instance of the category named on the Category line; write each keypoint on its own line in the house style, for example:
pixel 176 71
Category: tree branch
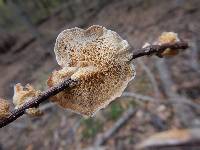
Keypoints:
pixel 157 49
pixel 34 102
pixel 69 83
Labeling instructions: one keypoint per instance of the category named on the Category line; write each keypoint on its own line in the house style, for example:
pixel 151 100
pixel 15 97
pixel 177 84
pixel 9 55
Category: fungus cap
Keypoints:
pixel 168 37
pixel 96 46
pixel 99 59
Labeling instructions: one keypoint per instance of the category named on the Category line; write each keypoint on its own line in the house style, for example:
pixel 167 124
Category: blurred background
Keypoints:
pixel 165 95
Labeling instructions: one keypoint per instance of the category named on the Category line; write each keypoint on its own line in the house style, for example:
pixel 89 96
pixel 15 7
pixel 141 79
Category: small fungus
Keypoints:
pixel 23 95
pixel 168 37
pixel 4 108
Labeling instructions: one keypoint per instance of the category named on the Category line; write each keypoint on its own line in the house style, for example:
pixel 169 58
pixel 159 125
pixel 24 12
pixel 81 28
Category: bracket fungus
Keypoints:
pixel 23 95
pixel 99 59
pixel 4 108
pixel 168 37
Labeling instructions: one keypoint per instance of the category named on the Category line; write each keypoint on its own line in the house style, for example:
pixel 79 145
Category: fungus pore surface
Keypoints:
pixel 99 59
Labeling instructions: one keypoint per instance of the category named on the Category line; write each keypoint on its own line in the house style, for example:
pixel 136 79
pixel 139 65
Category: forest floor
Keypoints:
pixel 138 22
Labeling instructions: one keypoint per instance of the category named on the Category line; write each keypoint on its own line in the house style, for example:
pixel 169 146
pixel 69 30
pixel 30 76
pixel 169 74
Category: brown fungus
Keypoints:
pixel 4 108
pixel 168 37
pixel 23 95
pixel 99 59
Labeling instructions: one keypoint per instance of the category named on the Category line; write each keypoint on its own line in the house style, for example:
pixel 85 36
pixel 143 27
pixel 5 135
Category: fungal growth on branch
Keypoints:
pixel 99 59
pixel 168 37
pixel 4 108
pixel 96 66
pixel 23 95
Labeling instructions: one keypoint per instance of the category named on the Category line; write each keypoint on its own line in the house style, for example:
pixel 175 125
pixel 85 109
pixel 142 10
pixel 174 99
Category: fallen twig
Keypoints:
pixel 125 117
pixel 139 96
pixel 171 139
pixel 145 98
pixel 184 112
pixel 151 78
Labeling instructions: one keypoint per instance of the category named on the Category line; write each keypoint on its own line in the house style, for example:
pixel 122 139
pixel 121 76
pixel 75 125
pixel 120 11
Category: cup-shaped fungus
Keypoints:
pixel 99 59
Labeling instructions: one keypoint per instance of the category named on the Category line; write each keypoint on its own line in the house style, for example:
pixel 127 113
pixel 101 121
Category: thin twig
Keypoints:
pixel 34 102
pixel 139 96
pixel 122 120
pixel 157 49
pixel 166 79
pixel 145 98
pixel 184 112
pixel 68 83
pixel 151 77
pixel 194 56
